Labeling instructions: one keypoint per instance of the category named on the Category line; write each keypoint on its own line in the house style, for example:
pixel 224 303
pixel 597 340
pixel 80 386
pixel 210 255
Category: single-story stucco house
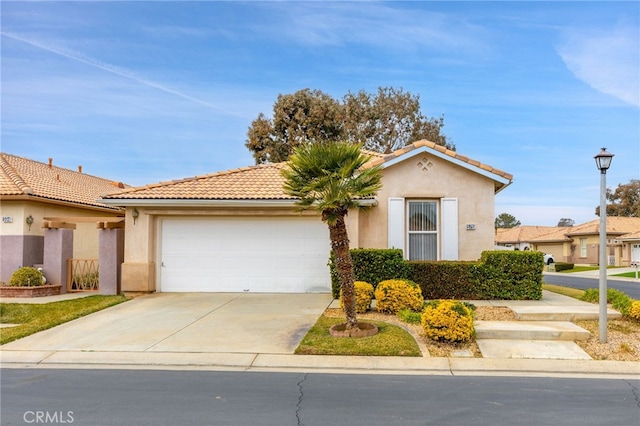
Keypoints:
pixel 34 194
pixel 519 237
pixel 237 231
pixel 580 244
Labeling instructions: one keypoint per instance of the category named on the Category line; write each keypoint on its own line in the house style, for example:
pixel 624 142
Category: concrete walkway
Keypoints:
pixel 259 332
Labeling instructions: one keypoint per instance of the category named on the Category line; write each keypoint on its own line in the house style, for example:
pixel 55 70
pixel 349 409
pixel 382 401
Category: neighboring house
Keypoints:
pixel 631 246
pixel 519 237
pixel 580 244
pixel 238 231
pixel 32 193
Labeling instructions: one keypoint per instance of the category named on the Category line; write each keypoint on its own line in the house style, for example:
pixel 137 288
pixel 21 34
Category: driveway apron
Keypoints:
pixel 189 322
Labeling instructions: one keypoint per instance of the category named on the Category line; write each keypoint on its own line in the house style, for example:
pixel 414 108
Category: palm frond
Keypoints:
pixel 330 177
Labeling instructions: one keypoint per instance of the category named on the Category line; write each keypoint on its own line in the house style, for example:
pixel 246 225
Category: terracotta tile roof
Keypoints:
pixel 524 234
pixel 21 177
pixel 261 182
pixel 247 183
pixel 381 158
pixel 622 226
pixel 557 235
pixel 615 225
pixel 631 236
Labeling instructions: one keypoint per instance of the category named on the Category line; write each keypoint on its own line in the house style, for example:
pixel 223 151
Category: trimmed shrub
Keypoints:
pixel 372 266
pixel 26 276
pixel 634 310
pixel 409 316
pixel 364 294
pixel 619 300
pixel 510 275
pixel 446 279
pixel 448 320
pixel 563 266
pixel 591 295
pixel 394 295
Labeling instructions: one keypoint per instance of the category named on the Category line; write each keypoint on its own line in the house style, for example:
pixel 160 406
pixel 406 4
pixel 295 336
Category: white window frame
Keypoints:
pixel 435 232
pixel 583 247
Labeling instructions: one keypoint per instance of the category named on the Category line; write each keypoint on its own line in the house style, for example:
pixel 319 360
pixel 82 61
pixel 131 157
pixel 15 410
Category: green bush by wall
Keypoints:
pixel 511 275
pixel 26 276
pixel 508 275
pixel 372 266
pixel 563 266
pixel 446 279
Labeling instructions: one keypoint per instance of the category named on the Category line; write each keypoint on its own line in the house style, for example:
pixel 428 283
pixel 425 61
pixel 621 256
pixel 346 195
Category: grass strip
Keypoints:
pixel 37 317
pixel 576 293
pixel 391 340
pixel 627 275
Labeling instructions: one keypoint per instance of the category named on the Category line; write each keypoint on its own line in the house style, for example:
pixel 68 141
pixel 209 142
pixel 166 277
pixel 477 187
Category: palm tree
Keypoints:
pixel 331 178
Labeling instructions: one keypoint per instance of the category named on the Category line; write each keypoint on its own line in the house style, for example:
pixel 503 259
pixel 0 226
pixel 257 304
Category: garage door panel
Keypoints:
pixel 233 255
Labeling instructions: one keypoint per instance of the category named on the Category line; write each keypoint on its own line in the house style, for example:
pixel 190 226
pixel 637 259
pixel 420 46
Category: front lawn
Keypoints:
pixel 391 340
pixel 37 317
pixel 627 275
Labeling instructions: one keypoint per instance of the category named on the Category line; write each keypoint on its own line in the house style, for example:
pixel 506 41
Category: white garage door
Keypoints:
pixel 283 255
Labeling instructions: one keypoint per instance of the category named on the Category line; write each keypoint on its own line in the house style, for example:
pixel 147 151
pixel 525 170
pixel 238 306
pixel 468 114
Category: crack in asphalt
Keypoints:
pixel 300 396
pixel 635 391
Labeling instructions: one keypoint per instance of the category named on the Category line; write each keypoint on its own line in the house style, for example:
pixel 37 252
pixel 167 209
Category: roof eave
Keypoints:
pixel 124 202
pixel 38 199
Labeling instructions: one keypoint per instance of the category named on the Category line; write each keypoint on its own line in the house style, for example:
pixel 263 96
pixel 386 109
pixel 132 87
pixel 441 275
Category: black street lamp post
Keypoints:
pixel 603 161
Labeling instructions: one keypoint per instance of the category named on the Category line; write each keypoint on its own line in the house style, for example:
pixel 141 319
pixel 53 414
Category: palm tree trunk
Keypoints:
pixel 344 266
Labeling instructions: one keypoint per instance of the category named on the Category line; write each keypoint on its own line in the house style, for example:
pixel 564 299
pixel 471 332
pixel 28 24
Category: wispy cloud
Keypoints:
pixel 80 57
pixel 341 23
pixel 609 62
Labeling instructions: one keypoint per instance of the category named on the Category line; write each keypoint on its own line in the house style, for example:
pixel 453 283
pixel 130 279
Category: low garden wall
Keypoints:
pixel 34 291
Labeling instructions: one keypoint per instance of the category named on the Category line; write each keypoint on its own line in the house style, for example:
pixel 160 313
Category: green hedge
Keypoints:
pixel 509 275
pixel 446 279
pixel 372 266
pixel 563 266
pixel 619 300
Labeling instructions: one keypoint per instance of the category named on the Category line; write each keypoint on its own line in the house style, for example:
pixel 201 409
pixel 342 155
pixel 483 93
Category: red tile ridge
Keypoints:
pixel 202 177
pixel 14 176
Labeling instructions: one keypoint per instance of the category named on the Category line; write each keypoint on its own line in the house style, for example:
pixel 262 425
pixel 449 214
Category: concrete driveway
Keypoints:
pixel 188 322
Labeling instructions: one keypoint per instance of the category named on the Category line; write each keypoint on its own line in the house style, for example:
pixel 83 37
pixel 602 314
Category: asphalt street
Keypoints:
pixel 144 397
pixel 630 288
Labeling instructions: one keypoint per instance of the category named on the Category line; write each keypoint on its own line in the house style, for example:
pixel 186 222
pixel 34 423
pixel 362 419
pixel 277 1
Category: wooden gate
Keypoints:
pixel 82 275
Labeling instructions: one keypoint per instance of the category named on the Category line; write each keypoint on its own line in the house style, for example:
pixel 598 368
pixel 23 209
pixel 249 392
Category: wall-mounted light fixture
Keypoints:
pixel 29 221
pixel 135 214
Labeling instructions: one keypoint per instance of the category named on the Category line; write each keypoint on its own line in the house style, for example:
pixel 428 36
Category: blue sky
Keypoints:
pixel 143 92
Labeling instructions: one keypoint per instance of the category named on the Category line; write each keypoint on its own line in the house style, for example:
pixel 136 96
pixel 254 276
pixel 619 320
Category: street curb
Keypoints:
pixel 319 364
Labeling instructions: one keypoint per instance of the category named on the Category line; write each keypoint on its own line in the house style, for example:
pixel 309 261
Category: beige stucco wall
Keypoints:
pixel 85 236
pixel 475 195
pixel 570 251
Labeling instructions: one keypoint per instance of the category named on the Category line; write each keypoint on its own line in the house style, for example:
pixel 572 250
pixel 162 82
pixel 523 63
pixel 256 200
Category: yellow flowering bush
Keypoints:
pixel 394 295
pixel 634 310
pixel 448 320
pixel 364 294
